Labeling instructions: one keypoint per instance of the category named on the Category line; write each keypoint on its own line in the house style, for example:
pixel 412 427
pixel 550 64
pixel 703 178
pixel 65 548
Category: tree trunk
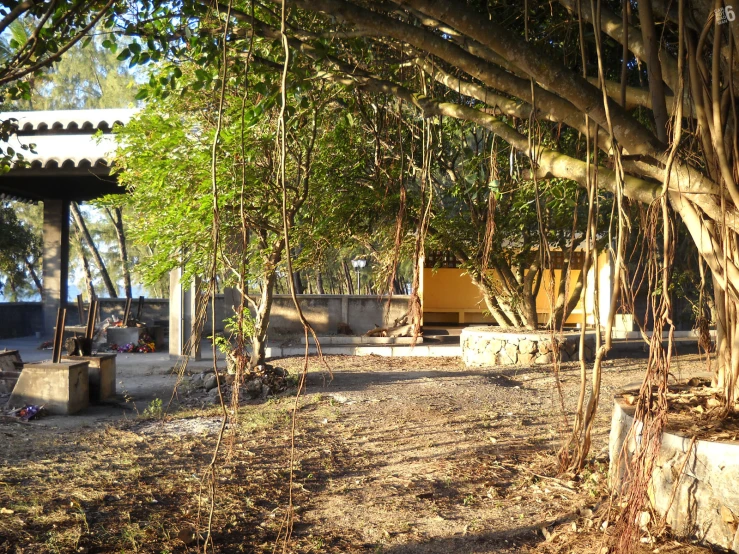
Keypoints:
pixel 319 283
pixel 491 303
pixel 298 283
pixel 80 222
pixel 528 297
pixel 261 316
pixel 348 277
pixel 565 306
pixel 34 276
pixel 340 285
pixel 122 249
pixel 654 69
pixel 85 265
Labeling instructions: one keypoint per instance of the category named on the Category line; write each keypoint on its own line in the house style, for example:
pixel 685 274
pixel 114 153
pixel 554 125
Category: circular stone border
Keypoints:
pixel 485 346
pixel 706 502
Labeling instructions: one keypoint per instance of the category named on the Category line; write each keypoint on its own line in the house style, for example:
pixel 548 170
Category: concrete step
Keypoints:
pixel 435 350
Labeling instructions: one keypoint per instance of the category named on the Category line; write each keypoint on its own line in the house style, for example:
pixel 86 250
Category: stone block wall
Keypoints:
pixel 20 319
pixel 488 347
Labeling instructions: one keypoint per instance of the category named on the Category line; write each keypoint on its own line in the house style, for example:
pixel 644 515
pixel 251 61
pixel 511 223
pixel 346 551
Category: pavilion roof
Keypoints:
pixel 67 160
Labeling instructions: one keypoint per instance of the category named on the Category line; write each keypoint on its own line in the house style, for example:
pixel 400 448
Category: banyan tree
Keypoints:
pixel 632 99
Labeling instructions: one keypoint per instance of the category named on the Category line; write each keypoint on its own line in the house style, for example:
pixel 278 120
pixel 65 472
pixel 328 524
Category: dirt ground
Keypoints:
pixel 393 455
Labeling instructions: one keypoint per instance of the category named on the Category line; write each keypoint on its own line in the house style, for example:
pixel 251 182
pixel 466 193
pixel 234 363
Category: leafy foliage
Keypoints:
pixel 20 248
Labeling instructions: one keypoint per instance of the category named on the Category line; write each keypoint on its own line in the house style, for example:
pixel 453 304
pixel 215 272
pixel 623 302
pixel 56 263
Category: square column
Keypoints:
pixel 182 309
pixel 55 260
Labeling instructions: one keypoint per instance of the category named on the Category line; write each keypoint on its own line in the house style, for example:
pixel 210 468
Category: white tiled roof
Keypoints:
pixel 82 120
pixel 65 151
pixel 63 139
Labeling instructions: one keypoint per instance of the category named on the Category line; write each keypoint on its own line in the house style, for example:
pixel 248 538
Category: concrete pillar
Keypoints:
pixel 55 260
pixel 422 270
pixel 181 315
pixel 190 304
pixel 345 309
pixel 176 344
pixel 605 286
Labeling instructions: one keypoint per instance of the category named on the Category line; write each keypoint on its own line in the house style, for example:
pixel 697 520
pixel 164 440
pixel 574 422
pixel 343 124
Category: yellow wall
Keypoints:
pixel 450 296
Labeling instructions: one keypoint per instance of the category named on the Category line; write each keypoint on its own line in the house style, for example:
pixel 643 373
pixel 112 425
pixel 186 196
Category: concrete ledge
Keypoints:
pixel 632 335
pixel 348 339
pixel 365 350
pixel 706 503
pixel 101 375
pixel 62 388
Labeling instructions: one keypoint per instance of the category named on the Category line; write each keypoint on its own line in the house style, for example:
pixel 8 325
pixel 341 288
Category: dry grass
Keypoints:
pixel 134 486
pixel 395 456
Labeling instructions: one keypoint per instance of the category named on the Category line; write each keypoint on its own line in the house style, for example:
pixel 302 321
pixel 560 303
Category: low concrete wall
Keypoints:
pixel 706 501
pixel 155 309
pixel 20 319
pixel 490 346
pixel 326 311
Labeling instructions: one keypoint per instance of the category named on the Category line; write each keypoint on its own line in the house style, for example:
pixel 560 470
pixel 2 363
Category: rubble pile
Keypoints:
pixel 263 381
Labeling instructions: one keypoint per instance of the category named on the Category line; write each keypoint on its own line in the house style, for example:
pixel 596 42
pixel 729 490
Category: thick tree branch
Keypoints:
pixel 548 72
pixel 654 68
pixel 15 13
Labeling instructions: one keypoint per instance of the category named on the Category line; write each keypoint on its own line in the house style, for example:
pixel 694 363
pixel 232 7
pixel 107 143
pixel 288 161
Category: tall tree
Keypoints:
pixel 175 190
pixel 89 76
pixel 115 215
pixel 81 226
pixel 20 249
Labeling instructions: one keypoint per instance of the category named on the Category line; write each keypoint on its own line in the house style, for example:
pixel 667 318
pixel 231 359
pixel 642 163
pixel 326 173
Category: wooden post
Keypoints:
pixel 91 317
pixel 140 309
pixel 61 317
pixel 81 308
pixel 126 312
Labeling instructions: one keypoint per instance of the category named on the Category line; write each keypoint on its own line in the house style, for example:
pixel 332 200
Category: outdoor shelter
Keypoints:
pixel 66 162
pixel 450 297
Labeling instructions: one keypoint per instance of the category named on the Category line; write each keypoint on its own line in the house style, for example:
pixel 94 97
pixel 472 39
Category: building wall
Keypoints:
pixel 449 296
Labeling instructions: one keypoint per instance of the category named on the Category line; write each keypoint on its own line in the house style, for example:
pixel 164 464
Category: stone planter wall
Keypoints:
pixel 490 346
pixel 706 502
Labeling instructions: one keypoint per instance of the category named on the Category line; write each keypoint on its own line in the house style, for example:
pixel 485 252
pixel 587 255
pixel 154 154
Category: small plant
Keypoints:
pixel 223 345
pixel 236 326
pixel 132 534
pixel 154 409
pixel 469 500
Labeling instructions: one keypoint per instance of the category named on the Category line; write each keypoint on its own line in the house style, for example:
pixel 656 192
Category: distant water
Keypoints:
pixel 72 294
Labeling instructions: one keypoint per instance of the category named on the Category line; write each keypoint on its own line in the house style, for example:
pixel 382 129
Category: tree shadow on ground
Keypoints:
pixel 349 381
